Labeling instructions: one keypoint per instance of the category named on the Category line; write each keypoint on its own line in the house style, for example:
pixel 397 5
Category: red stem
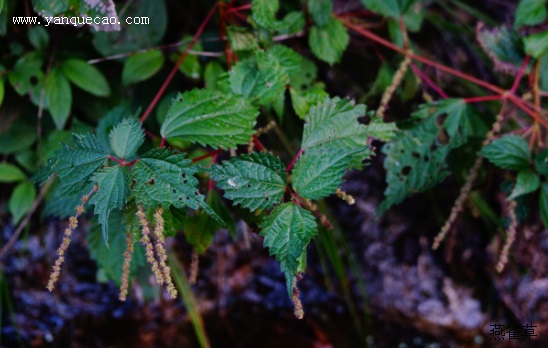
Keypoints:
pixel 207 155
pixel 120 162
pixel 179 62
pixel 520 74
pixel 294 161
pixel 258 143
pixel 210 183
pixel 428 81
pixel 483 98
pixel 236 9
pixel 163 142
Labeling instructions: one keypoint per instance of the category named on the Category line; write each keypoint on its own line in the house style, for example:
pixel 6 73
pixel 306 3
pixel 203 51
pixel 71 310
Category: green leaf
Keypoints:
pixel 86 76
pixel 259 77
pixel 108 121
pixel 543 204
pixel 1 91
pixel 329 42
pixel 27 76
pixel 508 152
pixel 287 231
pixel 503 45
pixel 416 160
pixel 543 72
pixel 212 72
pixel 10 173
pixel 21 200
pixel 303 100
pixel 335 122
pixel 390 8
pixel 19 136
pixel 255 181
pixel 74 166
pixel 301 71
pixel 530 12
pixel 210 118
pixel 1 5
pixel 127 137
pixel 112 194
pixel 59 97
pixel 320 10
pixel 50 8
pixel 292 23
pixel 38 37
pixel 383 131
pixel 541 162
pixel 264 12
pixel 241 39
pixel 527 182
pixel 319 171
pixel 142 66
pixel 134 37
pixel 161 177
pixel 536 45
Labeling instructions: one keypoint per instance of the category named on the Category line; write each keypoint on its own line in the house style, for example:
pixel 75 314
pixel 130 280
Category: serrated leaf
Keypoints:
pixel 287 231
pixel 59 95
pixel 142 66
pixel 303 100
pixel 329 42
pixel 541 162
pixel 86 76
pixel 210 118
pixel 503 46
pixel 108 121
pixel 21 200
pixel 383 131
pixel 319 170
pixel 536 45
pixel 127 137
pixel 320 10
pixel 161 177
pixel 241 39
pixel 543 204
pixel 260 77
pixel 264 12
pixel 508 152
pixel 112 193
pixel 292 23
pixel 526 182
pixel 415 161
pixel 38 37
pixel 301 71
pixel 530 12
pixel 255 181
pixel 10 173
pixel 74 166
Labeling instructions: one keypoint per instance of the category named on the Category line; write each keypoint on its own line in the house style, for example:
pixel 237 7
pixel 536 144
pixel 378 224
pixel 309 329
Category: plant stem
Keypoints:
pixel 207 155
pixel 483 98
pixel 294 161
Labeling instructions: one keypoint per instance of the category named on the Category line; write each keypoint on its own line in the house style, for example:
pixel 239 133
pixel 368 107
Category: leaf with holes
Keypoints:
pixel 260 77
pixel 415 161
pixel 210 118
pixel 319 170
pixel 255 181
pixel 126 137
pixel 508 152
pixel 334 121
pixel 112 193
pixel 161 177
pixel 74 166
pixel 287 231
pixel 329 41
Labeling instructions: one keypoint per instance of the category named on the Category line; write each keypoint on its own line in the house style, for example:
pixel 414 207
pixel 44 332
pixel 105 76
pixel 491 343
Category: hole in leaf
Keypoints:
pixel 185 181
pixel 442 137
pixel 187 198
pixel 440 119
pixel 248 185
pixel 433 147
pixel 196 193
pixel 406 170
pixel 180 198
pixel 366 119
pixel 183 175
pixel 174 191
pixel 415 154
pixel 33 80
pixel 267 199
pixel 151 181
pixel 426 158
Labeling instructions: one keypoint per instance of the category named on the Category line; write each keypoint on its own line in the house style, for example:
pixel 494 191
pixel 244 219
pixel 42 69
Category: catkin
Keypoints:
pixel 345 196
pixel 396 80
pixel 161 252
pixel 297 304
pixel 126 267
pixel 73 223
pixel 149 249
pixel 510 236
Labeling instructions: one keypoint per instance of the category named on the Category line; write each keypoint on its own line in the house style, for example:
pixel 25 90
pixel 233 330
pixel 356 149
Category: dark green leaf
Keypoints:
pixel 21 200
pixel 527 182
pixel 59 97
pixel 390 8
pixel 210 118
pixel 541 162
pixel 287 231
pixel 127 137
pixel 503 46
pixel 142 66
pixel 17 137
pixel 329 42
pixel 543 204
pixel 10 173
pixel 38 37
pixel 27 76
pixel 508 152
pixel 530 12
pixel 86 76
pixel 255 181
pixel 320 10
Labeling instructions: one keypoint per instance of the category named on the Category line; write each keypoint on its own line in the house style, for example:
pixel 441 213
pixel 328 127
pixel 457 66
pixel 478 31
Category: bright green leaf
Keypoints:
pixel 264 12
pixel 303 100
pixel 163 178
pixel 59 97
pixel 292 23
pixel 38 37
pixel 241 39
pixel 86 76
pixel 210 118
pixel 536 45
pixel 287 231
pixel 10 173
pixel 21 200
pixel 329 42
pixel 142 66
pixel 255 181
pixel 320 10
pixel 527 182
pixel 319 170
pixel 301 71
pixel 543 204
pixel 508 152
pixel 530 12
pixel 260 77
pixel 113 183
pixel 383 131
pixel 1 91
pixel 127 137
